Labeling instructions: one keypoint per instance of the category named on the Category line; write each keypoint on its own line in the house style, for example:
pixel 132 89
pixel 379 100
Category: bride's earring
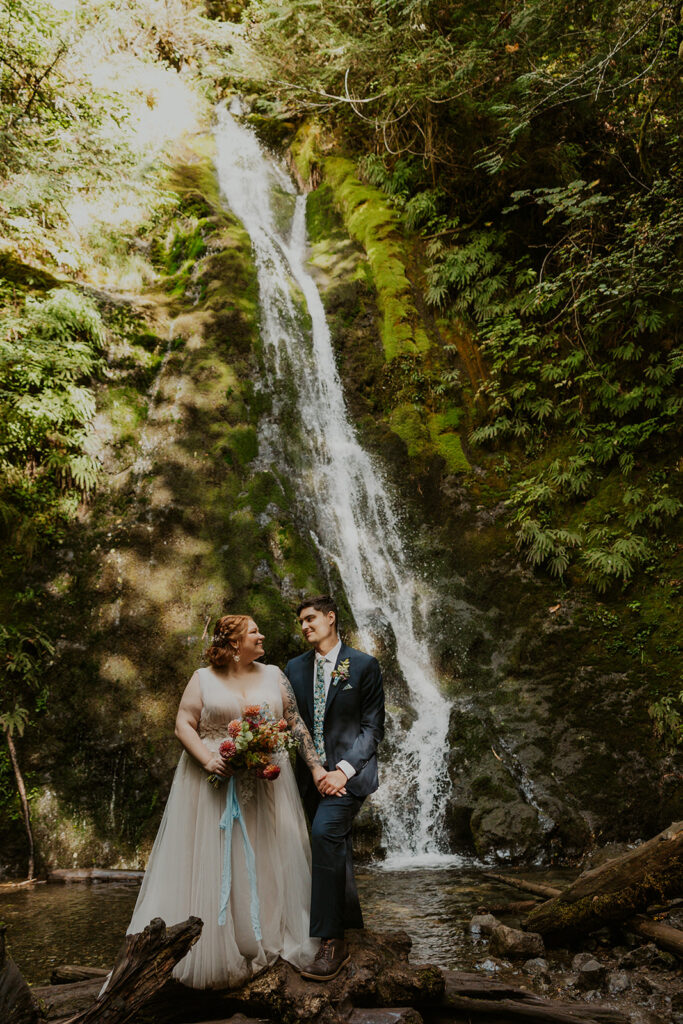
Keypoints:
pixel 235 657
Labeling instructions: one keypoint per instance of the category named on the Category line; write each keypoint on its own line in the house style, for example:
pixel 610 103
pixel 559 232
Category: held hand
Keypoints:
pixel 334 783
pixel 216 765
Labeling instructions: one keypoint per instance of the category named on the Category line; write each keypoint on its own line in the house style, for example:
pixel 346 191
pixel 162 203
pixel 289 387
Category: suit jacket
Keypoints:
pixel 354 717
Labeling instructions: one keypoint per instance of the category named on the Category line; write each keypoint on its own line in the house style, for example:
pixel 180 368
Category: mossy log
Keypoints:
pixel 615 891
pixel 17 1005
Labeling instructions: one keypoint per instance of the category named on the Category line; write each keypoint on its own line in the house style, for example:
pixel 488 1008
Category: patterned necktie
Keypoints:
pixel 319 707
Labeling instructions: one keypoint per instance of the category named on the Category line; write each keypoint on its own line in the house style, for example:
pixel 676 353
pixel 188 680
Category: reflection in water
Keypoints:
pixel 85 923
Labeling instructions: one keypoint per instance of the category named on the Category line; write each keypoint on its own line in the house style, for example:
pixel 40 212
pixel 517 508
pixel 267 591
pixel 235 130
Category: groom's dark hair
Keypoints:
pixel 323 604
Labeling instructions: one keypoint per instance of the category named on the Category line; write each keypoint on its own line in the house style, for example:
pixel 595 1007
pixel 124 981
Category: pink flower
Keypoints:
pixel 282 725
pixel 270 772
pixel 227 749
pixel 235 727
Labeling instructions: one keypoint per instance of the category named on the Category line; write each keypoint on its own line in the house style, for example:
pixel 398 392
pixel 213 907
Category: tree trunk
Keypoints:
pixel 617 890
pixel 24 803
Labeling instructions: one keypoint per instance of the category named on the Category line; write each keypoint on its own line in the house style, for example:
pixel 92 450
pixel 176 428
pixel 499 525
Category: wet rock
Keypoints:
pixel 618 982
pixel 491 963
pixel 483 924
pixel 510 830
pixel 515 944
pixel 538 968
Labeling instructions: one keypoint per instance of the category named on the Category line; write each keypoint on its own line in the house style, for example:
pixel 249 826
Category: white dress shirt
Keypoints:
pixel 330 660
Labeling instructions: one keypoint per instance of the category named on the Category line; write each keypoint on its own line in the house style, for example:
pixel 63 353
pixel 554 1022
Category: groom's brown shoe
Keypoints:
pixel 328 962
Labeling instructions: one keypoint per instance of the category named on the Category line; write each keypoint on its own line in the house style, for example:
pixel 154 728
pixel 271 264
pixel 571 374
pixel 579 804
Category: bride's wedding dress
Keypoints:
pixel 183 875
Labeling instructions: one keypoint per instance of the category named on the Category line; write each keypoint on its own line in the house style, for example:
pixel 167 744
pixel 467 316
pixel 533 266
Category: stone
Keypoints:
pixel 538 967
pixel 618 982
pixel 591 974
pixel 483 924
pixel 641 956
pixel 514 944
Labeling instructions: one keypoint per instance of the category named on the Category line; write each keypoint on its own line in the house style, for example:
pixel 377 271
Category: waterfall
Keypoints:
pixel 343 492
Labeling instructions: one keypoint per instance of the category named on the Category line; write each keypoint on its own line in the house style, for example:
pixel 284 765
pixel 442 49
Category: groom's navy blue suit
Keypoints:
pixel 353 727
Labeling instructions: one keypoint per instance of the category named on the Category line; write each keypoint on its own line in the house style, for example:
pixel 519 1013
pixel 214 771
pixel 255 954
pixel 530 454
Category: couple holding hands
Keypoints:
pixel 283 895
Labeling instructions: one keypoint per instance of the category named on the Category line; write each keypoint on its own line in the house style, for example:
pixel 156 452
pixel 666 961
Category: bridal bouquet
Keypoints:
pixel 252 742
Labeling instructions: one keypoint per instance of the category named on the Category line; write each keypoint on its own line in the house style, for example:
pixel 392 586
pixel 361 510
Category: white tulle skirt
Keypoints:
pixel 183 876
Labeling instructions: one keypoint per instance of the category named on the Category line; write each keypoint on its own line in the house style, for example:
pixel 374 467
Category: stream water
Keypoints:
pixel 85 923
pixel 344 495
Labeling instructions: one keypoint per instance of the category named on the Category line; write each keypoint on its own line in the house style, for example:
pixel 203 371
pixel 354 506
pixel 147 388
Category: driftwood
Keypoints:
pixel 617 890
pixel 17 1005
pixel 26 883
pixel 146 963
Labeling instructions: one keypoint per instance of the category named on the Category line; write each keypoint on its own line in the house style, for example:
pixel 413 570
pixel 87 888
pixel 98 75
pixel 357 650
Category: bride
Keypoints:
pixel 185 874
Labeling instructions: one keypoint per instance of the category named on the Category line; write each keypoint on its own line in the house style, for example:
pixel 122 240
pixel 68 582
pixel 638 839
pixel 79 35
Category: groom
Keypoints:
pixel 341 700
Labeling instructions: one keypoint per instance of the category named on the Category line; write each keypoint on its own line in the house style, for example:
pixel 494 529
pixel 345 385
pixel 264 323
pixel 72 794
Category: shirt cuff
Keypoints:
pixel 348 769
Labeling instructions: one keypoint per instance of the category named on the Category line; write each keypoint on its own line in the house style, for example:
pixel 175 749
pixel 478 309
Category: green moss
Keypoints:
pixel 447 441
pixel 304 149
pixel 371 221
pixel 242 445
pixel 406 421
pixel 126 409
pixel 322 218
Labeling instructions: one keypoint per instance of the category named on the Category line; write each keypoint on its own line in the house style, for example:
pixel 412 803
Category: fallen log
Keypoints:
pixel 93 875
pixel 468 996
pixel 17 1005
pixel 66 974
pixel 666 937
pixel 147 960
pixel 547 891
pixel 615 891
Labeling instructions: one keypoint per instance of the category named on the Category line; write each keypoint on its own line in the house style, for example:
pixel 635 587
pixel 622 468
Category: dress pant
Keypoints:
pixel 334 897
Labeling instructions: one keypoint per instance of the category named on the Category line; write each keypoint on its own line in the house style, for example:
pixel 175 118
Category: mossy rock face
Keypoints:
pixel 551 747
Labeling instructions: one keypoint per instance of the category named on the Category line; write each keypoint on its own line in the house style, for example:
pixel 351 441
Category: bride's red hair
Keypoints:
pixel 225 643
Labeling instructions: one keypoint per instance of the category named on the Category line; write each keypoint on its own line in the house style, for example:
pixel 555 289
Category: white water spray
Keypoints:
pixel 350 501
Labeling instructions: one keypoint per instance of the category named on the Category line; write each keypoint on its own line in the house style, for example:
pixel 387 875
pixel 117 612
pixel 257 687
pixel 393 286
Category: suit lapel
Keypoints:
pixel 336 684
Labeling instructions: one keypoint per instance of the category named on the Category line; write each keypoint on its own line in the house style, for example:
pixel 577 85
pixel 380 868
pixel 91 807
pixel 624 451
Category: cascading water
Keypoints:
pixel 348 499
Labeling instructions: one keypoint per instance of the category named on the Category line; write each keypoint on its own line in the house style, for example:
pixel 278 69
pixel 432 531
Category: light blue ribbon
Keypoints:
pixel 232 813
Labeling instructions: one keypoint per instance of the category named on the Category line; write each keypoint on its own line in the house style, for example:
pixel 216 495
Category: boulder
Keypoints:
pixel 513 944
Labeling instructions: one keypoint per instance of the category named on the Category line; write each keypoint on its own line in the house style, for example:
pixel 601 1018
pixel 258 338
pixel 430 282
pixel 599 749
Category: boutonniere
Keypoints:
pixel 341 671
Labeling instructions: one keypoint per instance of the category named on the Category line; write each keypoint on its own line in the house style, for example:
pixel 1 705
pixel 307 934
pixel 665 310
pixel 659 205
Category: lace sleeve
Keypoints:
pixel 290 713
